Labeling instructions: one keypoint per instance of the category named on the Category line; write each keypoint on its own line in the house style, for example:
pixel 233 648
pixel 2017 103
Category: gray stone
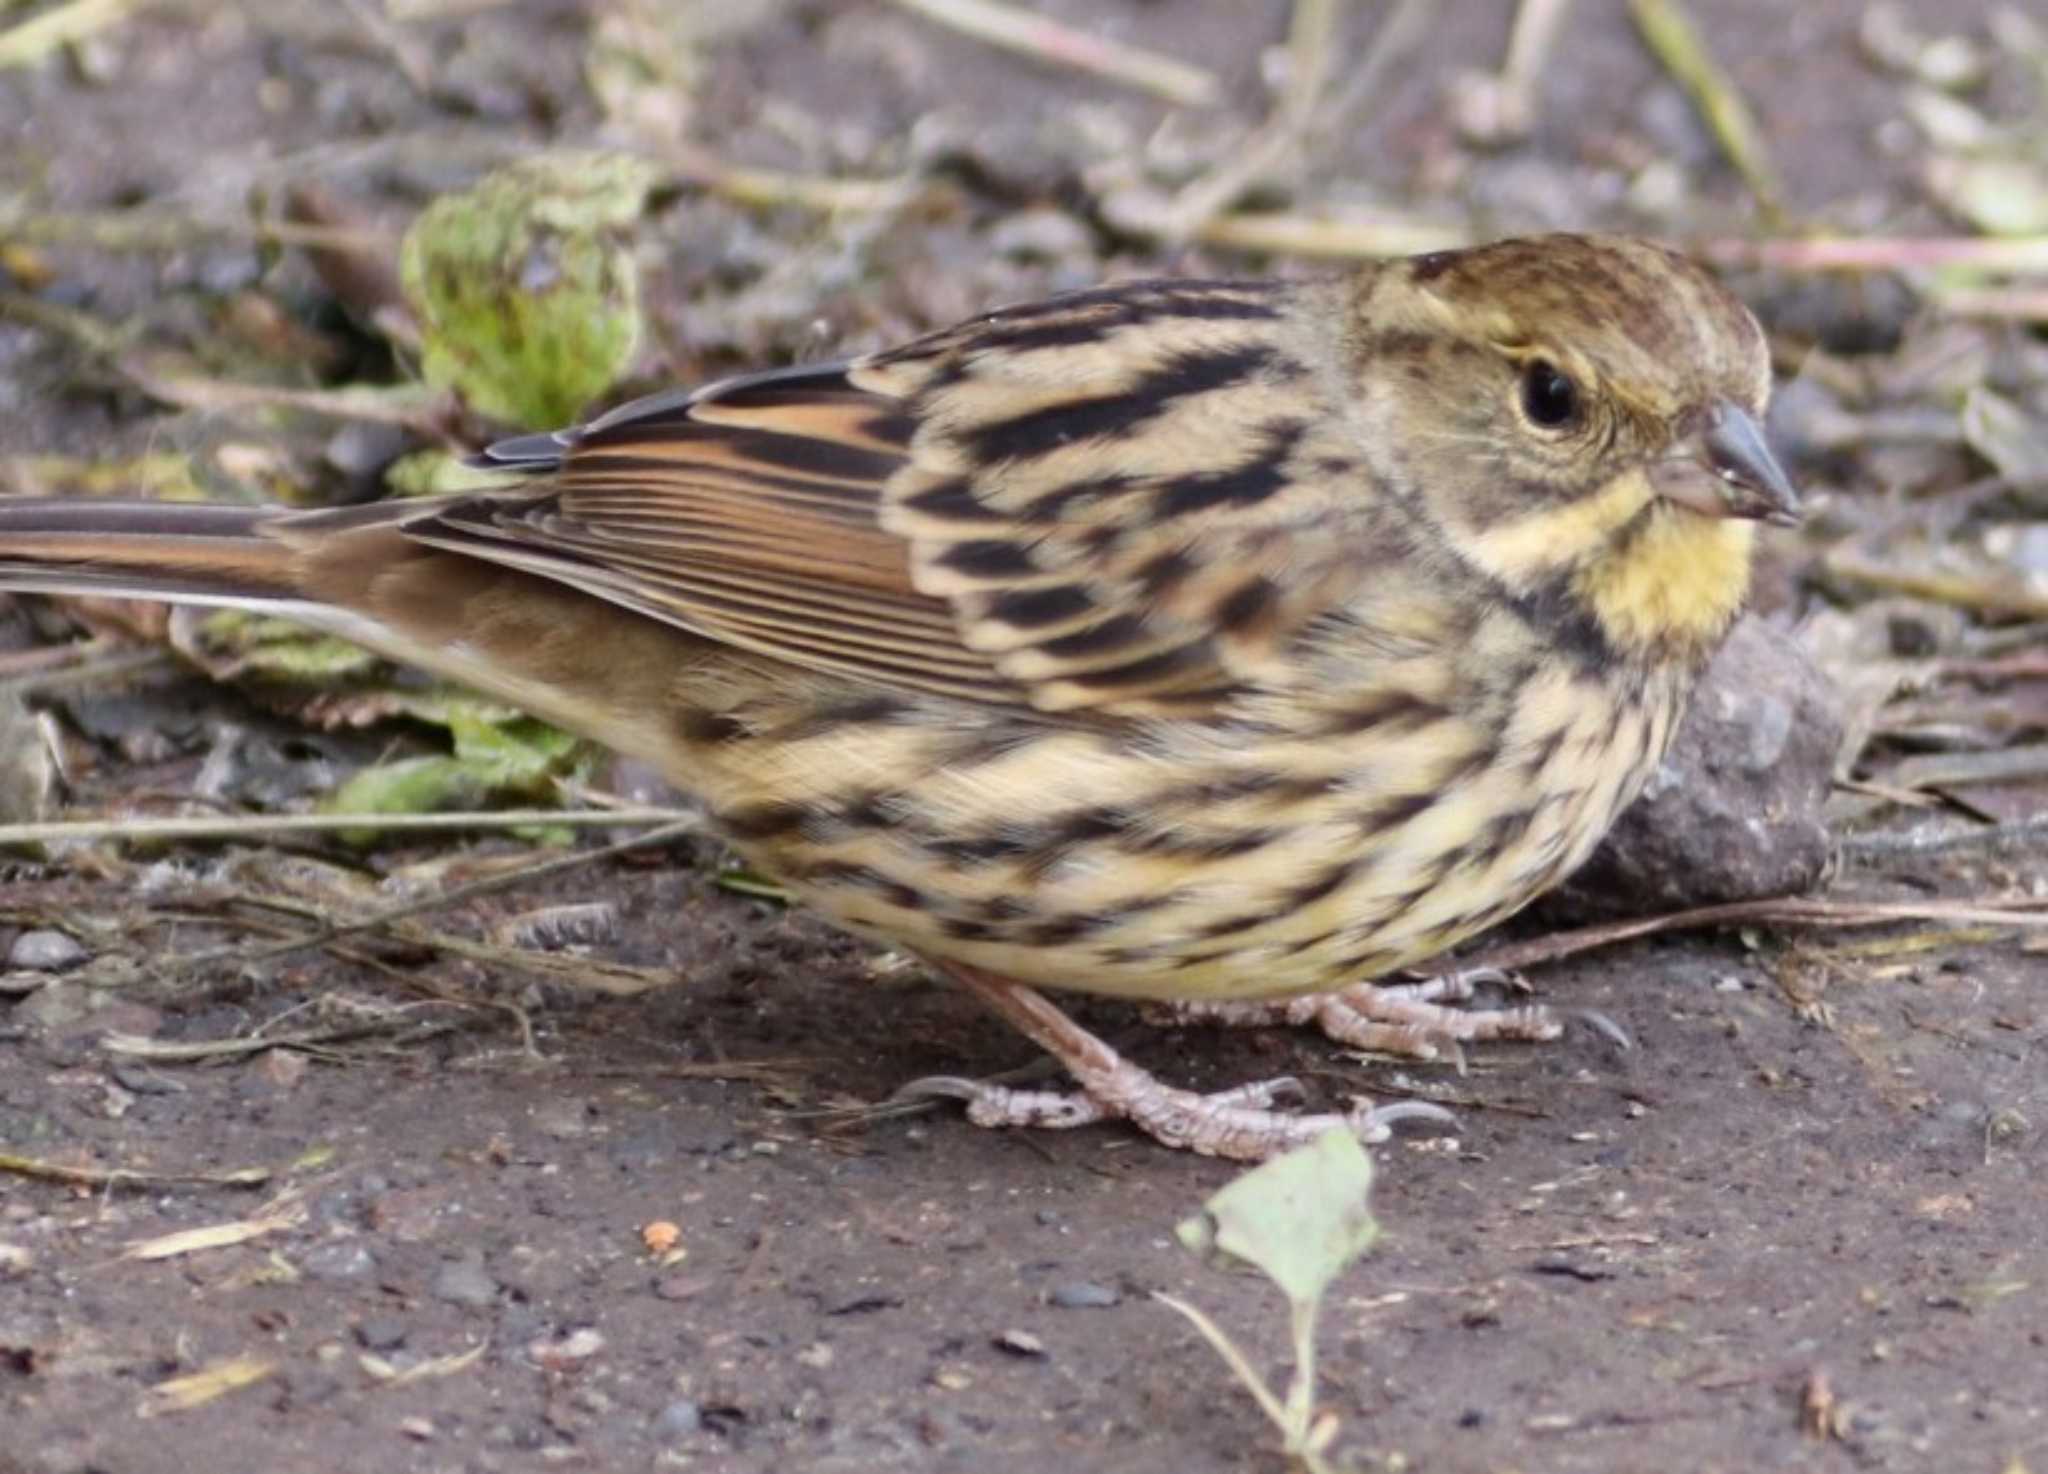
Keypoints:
pixel 43 950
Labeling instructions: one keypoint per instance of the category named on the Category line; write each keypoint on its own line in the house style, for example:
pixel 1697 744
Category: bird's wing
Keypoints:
pixel 1125 501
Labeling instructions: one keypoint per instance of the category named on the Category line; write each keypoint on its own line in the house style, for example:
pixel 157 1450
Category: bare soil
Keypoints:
pixel 1798 1226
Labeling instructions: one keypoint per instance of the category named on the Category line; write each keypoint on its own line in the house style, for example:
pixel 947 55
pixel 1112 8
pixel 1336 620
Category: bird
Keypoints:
pixel 1230 643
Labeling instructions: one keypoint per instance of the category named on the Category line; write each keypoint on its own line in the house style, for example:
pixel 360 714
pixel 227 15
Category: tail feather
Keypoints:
pixel 185 552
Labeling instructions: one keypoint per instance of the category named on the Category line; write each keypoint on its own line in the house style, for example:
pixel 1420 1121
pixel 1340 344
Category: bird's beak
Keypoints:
pixel 1724 469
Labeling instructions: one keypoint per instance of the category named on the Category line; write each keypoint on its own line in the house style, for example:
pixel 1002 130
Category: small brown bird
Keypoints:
pixel 1180 640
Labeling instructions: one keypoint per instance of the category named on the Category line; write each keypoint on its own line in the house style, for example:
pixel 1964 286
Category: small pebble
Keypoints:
pixel 338 1259
pixel 464 1281
pixel 381 1333
pixel 565 1120
pixel 560 1353
pixel 141 1081
pixel 679 1419
pixel 1083 1295
pixel 1020 1343
pixel 681 1286
pixel 43 950
pixel 282 1069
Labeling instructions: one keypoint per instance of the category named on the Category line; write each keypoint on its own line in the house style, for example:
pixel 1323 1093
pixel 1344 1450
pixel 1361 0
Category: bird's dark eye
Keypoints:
pixel 1549 398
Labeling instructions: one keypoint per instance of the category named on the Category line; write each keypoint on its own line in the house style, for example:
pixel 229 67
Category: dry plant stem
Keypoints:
pixel 2016 254
pixel 163 230
pixel 2005 304
pixel 1944 770
pixel 1397 35
pixel 406 52
pixel 429 10
pixel 67 323
pixel 1016 29
pixel 1238 1124
pixel 335 930
pixel 253 826
pixel 103 661
pixel 1302 1440
pixel 1676 42
pixel 1783 910
pixel 35 38
pixel 1310 50
pixel 416 408
pixel 1500 107
pixel 2009 596
pixel 1537 23
pixel 312 1041
pixel 1997 839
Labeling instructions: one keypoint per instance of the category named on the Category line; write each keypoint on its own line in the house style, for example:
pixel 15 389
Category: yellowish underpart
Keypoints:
pixel 1677 582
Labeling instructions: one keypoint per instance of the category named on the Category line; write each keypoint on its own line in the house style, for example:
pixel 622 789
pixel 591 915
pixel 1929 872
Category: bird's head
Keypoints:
pixel 1580 415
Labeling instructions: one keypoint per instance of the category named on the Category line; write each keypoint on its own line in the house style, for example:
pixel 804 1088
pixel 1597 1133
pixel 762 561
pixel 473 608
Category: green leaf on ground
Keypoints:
pixel 525 287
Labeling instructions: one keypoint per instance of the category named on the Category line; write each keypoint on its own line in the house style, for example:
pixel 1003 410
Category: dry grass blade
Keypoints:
pixel 1676 42
pixel 48 1171
pixel 1330 237
pixel 778 188
pixel 433 1367
pixel 286 1210
pixel 196 1389
pixel 1016 29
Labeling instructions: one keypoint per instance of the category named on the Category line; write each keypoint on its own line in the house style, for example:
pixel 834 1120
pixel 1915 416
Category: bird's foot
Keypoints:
pixel 1413 1020
pixel 1240 1124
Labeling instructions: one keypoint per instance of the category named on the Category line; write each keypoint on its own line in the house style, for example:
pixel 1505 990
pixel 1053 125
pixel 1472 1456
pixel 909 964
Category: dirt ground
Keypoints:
pixel 1798 1226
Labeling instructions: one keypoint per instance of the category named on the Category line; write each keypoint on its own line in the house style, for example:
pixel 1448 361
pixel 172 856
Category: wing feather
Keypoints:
pixel 1125 501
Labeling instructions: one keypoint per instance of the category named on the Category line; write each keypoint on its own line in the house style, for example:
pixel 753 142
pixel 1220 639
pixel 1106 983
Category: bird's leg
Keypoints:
pixel 1408 1019
pixel 1237 1123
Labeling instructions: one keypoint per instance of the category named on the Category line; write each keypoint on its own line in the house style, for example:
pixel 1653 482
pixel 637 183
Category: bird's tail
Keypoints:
pixel 357 573
pixel 185 552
